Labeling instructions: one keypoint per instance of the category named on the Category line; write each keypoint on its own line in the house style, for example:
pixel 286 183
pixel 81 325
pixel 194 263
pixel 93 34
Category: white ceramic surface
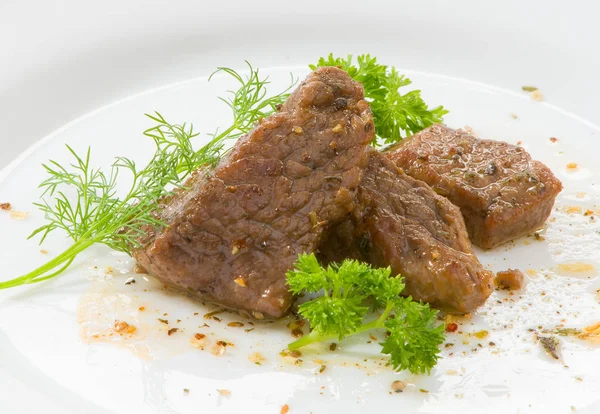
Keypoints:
pixel 71 64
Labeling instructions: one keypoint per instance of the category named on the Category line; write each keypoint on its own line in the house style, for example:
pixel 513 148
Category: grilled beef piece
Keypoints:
pixel 501 191
pixel 233 235
pixel 401 222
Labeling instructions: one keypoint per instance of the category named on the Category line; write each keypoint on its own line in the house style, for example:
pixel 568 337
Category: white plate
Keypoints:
pixel 454 54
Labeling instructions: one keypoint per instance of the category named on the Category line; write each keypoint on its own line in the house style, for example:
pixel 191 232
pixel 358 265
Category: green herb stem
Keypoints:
pixel 315 337
pixel 43 272
pixel 97 216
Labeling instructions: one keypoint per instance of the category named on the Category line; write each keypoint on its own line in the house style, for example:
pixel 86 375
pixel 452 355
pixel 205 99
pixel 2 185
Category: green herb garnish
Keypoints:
pixel 249 103
pixel 350 291
pixel 393 113
pixel 97 215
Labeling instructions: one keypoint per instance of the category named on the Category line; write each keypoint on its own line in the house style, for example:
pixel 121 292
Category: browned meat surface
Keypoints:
pixel 400 222
pixel 501 191
pixel 511 279
pixel 233 236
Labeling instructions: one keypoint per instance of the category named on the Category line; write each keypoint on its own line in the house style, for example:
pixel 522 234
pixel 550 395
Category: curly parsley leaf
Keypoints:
pixel 414 337
pixel 396 115
pixel 347 289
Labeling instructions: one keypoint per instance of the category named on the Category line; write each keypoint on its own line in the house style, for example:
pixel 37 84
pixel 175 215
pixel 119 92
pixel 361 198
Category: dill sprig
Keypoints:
pixel 97 215
pixel 249 103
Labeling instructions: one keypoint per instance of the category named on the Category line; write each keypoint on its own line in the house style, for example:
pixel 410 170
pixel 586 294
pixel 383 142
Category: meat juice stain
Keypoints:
pixel 113 313
pixel 577 269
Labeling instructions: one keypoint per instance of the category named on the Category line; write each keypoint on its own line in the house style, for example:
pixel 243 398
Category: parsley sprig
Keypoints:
pixel 350 291
pixel 394 113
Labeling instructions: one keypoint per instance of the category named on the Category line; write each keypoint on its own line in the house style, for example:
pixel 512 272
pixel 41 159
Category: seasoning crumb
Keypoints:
pixel 337 129
pixel 333 346
pixel 452 372
pixel 423 390
pixel 314 220
pixel 122 327
pixel 130 281
pixel 297 333
pixel 18 215
pixel 109 270
pixel 550 345
pixel 398 386
pixel 553 140
pixel 44 251
pixel 235 324
pixel 258 315
pixel 529 88
pixel 481 334
pixel 291 357
pixel 198 340
pixel 492 344
pixel 172 331
pixel 298 130
pixel 224 393
pixel 240 281
pixel 5 206
pixel 141 308
pixel 284 409
pixel 186 391
pixel 513 115
pixel 257 358
pixel 218 349
pixel 451 327
pixel 210 315
pixel 571 165
pixel 165 321
pixel 322 369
